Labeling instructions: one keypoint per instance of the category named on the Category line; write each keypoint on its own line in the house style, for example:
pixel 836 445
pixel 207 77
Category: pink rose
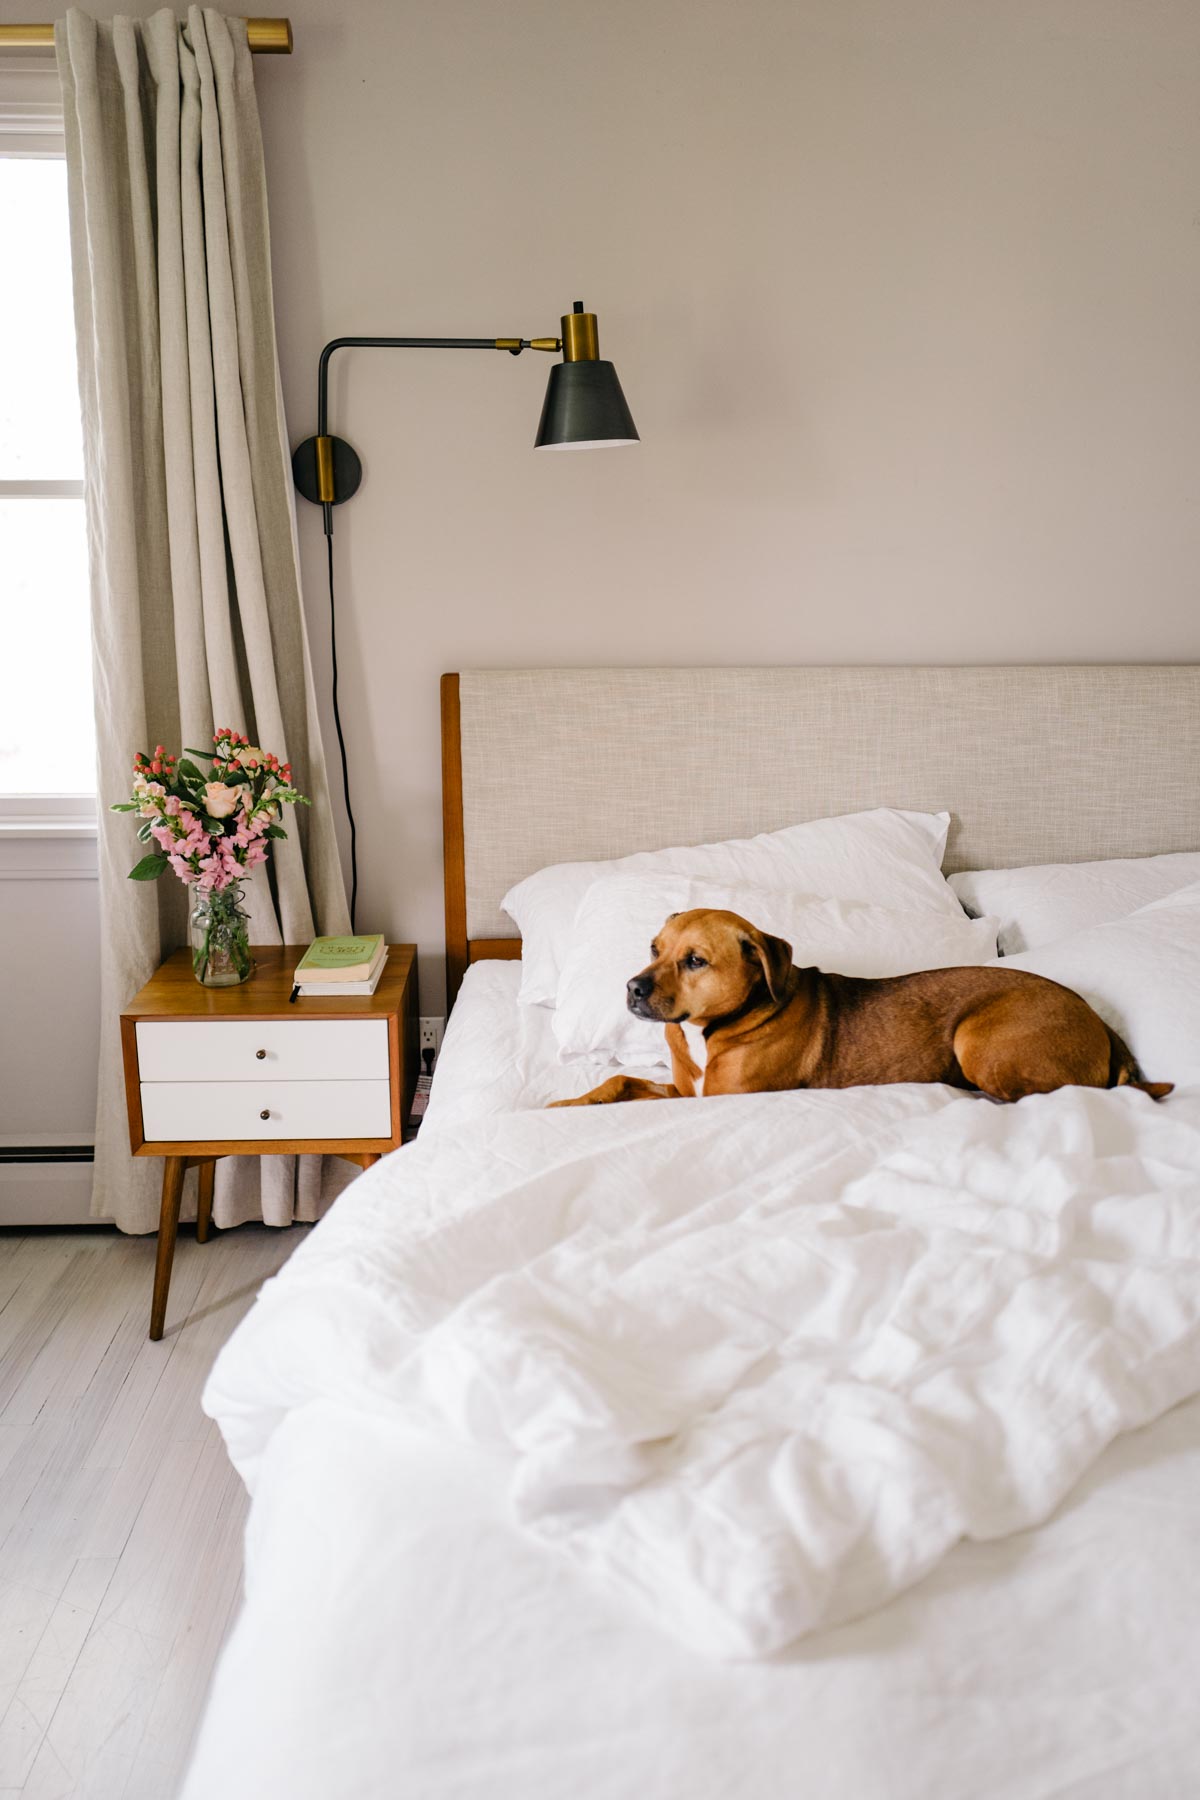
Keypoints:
pixel 219 800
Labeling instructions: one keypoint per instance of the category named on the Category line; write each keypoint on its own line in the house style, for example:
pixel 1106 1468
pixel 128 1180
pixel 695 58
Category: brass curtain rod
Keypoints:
pixel 266 37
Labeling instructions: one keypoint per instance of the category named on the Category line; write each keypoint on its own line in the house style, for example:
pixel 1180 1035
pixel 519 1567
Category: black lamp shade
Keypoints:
pixel 585 409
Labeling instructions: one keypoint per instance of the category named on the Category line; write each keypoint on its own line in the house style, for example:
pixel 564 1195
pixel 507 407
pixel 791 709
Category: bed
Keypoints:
pixel 479 1561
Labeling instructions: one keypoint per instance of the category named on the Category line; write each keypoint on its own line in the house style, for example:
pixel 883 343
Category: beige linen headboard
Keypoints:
pixel 1043 764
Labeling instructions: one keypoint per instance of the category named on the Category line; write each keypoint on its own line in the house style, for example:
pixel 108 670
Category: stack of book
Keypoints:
pixel 340 965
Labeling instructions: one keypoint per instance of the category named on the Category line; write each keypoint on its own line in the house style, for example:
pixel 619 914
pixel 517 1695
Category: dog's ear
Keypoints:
pixel 774 957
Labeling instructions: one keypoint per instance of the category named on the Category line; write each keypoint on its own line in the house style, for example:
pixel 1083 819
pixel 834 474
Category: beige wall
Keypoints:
pixel 904 295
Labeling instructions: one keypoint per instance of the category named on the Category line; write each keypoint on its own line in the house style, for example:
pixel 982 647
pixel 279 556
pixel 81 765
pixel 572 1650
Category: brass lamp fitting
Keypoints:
pixel 516 345
pixel 580 338
pixel 324 450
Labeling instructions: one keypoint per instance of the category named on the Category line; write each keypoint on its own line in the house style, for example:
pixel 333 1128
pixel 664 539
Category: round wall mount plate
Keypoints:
pixel 347 470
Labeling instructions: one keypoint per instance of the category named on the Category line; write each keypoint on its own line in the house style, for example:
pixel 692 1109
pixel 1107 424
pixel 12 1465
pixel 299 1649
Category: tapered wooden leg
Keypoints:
pixel 364 1158
pixel 168 1225
pixel 206 1175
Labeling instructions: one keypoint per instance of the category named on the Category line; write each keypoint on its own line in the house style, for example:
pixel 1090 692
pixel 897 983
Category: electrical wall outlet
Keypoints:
pixel 431 1034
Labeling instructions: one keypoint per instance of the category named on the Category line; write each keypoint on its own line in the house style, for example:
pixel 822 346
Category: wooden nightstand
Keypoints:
pixel 328 1077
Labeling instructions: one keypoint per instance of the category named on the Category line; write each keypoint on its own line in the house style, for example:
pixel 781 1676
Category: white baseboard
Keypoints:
pixel 46 1194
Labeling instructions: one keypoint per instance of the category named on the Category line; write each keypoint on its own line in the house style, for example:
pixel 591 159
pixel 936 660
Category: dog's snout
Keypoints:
pixel 640 987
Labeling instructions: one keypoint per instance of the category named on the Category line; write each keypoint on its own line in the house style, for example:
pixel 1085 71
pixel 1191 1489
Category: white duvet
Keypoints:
pixel 754 1363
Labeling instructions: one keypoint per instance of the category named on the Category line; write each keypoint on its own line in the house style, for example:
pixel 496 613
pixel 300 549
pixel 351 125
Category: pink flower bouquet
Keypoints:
pixel 211 828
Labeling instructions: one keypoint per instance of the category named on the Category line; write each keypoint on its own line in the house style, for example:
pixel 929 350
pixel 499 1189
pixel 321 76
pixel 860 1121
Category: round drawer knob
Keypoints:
pixel 264 1114
pixel 260 1054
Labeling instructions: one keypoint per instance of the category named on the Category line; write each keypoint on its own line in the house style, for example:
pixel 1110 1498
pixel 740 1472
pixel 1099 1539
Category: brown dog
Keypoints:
pixel 769 1026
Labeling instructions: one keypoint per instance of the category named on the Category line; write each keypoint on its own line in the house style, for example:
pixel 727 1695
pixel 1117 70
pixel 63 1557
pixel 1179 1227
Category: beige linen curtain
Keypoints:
pixel 196 610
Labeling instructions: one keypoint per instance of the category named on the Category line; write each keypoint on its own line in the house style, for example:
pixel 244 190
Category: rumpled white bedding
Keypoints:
pixel 402 1640
pixel 402 1635
pixel 754 1364
pixel 499 1056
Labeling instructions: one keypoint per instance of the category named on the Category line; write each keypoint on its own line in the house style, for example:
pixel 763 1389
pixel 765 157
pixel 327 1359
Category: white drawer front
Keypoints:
pixel 291 1050
pixel 209 1111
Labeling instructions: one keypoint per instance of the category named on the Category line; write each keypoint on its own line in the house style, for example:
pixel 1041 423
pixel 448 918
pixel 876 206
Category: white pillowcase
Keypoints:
pixel 1041 904
pixel 1142 974
pixel 620 916
pixel 889 857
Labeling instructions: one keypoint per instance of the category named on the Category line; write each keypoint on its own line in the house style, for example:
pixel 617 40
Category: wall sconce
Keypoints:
pixel 584 407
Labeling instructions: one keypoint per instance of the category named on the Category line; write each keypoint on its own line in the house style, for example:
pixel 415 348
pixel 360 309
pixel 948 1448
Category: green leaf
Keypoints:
pixel 187 771
pixel 144 832
pixel 204 755
pixel 214 827
pixel 150 868
pixel 126 806
pixel 275 831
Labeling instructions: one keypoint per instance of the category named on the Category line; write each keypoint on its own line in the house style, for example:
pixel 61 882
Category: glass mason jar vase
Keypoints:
pixel 220 933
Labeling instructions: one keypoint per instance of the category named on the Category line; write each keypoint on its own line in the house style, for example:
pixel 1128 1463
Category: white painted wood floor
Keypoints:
pixel 120 1516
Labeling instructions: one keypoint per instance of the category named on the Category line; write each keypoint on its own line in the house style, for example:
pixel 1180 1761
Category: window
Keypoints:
pixel 47 732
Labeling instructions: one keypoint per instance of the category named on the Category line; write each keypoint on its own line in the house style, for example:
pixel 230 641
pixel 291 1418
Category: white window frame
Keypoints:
pixel 31 125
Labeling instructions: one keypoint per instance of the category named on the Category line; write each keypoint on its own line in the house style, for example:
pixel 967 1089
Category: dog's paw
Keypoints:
pixel 583 1100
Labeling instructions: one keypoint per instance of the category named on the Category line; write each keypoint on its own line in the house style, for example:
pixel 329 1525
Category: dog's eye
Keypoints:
pixel 692 961
pixel 654 950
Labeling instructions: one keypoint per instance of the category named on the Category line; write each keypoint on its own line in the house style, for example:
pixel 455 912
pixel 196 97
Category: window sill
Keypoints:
pixel 41 829
pixel 48 838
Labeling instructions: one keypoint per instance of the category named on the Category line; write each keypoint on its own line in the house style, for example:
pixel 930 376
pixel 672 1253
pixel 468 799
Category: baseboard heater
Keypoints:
pixel 47 1153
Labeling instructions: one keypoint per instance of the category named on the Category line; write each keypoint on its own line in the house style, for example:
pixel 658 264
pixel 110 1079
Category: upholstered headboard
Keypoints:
pixel 1058 764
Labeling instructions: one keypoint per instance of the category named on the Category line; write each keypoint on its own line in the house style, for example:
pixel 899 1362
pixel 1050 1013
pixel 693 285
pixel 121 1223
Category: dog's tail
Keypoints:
pixel 1123 1070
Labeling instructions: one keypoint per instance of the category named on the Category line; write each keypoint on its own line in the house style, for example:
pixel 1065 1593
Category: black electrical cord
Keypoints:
pixel 337 719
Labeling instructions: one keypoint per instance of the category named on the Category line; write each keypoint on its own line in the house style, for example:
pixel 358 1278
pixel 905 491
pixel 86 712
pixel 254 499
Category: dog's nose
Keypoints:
pixel 640 987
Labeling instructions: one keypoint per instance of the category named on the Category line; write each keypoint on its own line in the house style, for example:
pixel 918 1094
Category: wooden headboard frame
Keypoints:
pixel 460 950
pixel 1037 764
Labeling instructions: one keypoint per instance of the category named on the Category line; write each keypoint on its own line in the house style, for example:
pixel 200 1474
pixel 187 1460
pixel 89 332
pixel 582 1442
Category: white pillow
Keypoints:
pixel 1038 905
pixel 1142 974
pixel 891 858
pixel 621 915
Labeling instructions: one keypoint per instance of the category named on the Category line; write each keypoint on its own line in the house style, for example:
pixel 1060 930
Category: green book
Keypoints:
pixel 340 959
